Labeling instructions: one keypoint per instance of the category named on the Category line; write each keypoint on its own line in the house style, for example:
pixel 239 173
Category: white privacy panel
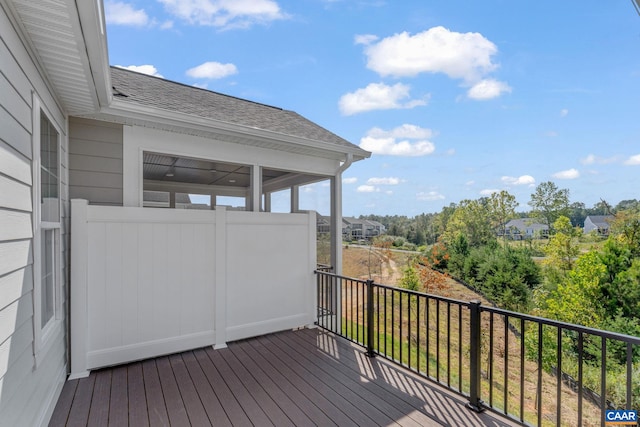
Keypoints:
pixel 147 282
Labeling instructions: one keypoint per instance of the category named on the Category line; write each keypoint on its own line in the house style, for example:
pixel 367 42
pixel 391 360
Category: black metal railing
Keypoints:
pixel 533 370
pixel 324 268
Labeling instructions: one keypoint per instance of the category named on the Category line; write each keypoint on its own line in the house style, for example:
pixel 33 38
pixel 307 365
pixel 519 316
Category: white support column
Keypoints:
pixel 295 198
pixel 79 288
pixel 256 188
pixel 267 202
pixel 336 223
pixel 221 278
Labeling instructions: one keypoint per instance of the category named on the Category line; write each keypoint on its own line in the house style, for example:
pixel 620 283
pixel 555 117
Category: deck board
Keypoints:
pixel 119 399
pixel 232 407
pixel 153 390
pixel 138 412
pixel 79 411
pixel 99 413
pixel 195 410
pixel 172 398
pixel 251 407
pixel 295 414
pixel 212 406
pixel 294 378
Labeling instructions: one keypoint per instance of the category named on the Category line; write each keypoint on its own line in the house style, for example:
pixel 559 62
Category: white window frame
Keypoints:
pixel 43 335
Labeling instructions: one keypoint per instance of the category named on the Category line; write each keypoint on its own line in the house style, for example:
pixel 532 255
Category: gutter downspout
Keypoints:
pixel 336 215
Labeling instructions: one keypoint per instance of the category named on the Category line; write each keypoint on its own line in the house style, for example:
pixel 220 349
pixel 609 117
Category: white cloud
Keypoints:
pixel 378 96
pixel 568 174
pixel 414 141
pixel 367 189
pixel 429 196
pixel 212 70
pixel 383 181
pixel 470 183
pixel 564 112
pixel 521 180
pixel 120 13
pixel 488 192
pixel 488 89
pixel 633 160
pixel 593 159
pixel 589 160
pixel 308 188
pixel 351 180
pixel 365 39
pixel 144 69
pixel 225 14
pixel 466 56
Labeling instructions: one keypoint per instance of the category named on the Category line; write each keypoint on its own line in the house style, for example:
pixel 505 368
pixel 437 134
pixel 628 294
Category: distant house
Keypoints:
pixel 323 224
pixel 355 228
pixel 525 228
pixel 599 224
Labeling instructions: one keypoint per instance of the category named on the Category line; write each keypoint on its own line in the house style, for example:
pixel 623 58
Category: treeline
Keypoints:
pixel 426 228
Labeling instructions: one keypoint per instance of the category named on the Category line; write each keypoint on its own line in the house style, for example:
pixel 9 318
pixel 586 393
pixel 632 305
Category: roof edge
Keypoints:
pixel 136 111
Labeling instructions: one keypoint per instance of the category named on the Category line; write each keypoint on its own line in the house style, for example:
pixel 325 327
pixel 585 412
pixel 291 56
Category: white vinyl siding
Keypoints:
pixel 28 390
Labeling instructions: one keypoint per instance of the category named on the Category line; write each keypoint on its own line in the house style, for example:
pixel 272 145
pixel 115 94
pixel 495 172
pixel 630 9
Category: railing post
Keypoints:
pixel 475 403
pixel 370 326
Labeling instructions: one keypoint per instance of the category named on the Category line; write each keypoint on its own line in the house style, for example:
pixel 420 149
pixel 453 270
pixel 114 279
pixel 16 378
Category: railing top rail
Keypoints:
pixel 395 288
pixel 568 326
pixel 423 294
pixel 330 274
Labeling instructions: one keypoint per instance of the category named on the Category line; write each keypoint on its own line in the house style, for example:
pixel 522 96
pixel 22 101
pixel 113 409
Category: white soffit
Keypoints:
pixel 53 30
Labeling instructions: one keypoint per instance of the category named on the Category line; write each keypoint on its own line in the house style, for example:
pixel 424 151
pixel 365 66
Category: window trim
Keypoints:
pixel 43 335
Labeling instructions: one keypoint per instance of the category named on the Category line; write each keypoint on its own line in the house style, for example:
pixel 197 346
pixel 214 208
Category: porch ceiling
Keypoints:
pixel 166 168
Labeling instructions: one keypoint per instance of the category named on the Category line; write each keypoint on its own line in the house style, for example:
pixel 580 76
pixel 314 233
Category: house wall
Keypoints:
pixel 29 383
pixel 95 161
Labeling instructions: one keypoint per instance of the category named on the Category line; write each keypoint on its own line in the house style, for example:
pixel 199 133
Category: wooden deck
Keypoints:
pixel 301 378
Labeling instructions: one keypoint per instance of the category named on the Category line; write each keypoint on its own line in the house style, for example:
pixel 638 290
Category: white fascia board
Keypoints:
pixel 94 35
pixel 140 112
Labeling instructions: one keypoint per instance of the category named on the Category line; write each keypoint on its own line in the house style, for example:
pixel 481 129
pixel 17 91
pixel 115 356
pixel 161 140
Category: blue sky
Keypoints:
pixel 455 99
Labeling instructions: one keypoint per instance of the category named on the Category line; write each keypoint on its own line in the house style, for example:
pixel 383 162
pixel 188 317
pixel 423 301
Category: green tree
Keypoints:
pixel 548 203
pixel 470 218
pixel 502 207
pixel 626 228
pixel 410 279
pixel 578 300
pixel 577 213
pixel 563 247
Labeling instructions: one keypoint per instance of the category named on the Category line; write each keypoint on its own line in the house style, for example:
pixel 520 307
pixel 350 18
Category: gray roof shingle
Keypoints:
pixel 133 87
pixel 601 220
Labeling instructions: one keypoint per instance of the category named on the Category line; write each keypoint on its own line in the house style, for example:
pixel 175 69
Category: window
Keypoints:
pixel 47 220
pixel 49 171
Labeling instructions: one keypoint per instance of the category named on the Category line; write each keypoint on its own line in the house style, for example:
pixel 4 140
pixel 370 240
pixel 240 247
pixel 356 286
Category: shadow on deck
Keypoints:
pixel 302 378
